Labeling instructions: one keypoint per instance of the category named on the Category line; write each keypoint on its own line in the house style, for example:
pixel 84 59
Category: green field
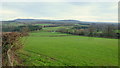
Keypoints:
pixel 55 28
pixel 57 49
pixel 43 24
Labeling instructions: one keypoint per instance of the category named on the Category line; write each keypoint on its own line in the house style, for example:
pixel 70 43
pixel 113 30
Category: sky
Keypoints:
pixel 83 11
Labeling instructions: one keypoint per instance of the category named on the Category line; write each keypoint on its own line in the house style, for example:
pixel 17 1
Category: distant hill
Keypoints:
pixel 45 21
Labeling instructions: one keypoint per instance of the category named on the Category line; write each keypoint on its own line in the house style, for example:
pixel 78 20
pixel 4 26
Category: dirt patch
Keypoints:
pixel 17 58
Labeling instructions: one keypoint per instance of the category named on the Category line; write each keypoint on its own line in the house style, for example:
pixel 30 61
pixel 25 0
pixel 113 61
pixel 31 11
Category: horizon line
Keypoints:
pixel 60 19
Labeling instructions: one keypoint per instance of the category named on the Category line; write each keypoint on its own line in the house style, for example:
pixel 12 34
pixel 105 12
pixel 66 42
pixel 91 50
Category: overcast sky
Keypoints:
pixel 83 11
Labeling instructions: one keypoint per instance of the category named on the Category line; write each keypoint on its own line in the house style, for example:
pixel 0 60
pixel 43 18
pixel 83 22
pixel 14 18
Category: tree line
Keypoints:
pixel 93 30
pixel 19 28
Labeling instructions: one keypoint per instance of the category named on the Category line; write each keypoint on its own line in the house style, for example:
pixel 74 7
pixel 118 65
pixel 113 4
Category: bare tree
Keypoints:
pixel 109 30
pixel 25 31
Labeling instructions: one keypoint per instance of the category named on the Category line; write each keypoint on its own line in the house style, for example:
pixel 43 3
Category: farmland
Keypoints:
pixel 63 34
pixel 46 48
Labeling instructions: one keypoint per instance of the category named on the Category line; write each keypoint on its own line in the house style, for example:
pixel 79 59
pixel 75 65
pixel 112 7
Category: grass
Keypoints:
pixel 58 49
pixel 55 28
pixel 43 24
pixel 118 31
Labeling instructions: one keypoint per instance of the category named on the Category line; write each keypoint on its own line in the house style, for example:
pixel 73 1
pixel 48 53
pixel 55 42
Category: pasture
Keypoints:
pixel 44 48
